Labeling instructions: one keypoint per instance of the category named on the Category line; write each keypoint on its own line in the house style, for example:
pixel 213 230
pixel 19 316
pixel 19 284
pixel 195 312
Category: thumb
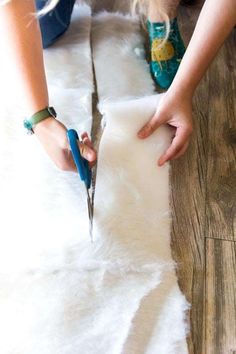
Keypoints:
pixel 154 123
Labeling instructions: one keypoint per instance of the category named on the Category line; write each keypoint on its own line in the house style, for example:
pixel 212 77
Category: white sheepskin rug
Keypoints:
pixel 60 294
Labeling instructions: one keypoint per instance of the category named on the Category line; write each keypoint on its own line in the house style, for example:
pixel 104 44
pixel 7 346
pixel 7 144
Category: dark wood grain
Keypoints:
pixel 220 297
pixel 204 192
pixel 188 203
pixel 221 171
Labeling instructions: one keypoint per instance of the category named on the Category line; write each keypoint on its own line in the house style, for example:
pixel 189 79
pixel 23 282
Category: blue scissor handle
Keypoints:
pixel 81 163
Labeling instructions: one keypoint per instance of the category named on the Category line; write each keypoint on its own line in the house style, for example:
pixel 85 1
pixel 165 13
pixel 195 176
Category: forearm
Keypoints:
pixel 22 54
pixel 215 22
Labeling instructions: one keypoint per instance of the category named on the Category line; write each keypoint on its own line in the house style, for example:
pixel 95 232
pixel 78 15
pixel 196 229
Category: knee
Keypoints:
pixel 56 22
pixel 49 38
pixel 50 32
pixel 47 42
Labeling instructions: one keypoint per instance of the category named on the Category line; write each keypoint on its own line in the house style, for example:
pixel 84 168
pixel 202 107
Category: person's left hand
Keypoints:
pixel 175 110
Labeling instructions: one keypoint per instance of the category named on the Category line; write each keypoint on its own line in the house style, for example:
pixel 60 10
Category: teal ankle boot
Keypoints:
pixel 166 58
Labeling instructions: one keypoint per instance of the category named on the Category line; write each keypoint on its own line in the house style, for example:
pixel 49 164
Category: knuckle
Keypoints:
pixel 153 124
pixel 176 149
pixel 150 125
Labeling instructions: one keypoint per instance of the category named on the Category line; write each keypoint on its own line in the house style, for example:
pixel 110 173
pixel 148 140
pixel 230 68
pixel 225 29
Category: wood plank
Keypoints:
pixel 199 174
pixel 187 234
pixel 188 201
pixel 221 172
pixel 220 297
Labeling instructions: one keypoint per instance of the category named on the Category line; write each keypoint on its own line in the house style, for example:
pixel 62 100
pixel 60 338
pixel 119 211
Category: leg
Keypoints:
pixel 56 22
pixel 166 58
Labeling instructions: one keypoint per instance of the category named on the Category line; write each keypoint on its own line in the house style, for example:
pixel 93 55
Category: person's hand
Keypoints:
pixel 52 135
pixel 176 110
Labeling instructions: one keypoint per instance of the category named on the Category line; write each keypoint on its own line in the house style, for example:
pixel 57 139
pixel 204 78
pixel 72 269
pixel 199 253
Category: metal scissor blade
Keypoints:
pixel 90 214
pixel 84 171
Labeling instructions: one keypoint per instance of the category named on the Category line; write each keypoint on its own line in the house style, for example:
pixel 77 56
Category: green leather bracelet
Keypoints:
pixel 38 117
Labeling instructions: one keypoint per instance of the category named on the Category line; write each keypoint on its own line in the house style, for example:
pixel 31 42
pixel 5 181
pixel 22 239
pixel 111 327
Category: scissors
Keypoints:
pixel 84 171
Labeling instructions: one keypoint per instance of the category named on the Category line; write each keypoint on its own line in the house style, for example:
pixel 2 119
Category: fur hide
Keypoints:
pixel 43 210
pixel 58 292
pixel 119 58
pixel 136 230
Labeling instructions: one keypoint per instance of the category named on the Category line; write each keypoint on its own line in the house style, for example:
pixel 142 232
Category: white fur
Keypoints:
pixel 136 230
pixel 58 293
pixel 118 53
pixel 43 210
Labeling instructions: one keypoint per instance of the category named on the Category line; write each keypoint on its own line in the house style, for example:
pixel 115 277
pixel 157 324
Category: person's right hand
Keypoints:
pixel 52 135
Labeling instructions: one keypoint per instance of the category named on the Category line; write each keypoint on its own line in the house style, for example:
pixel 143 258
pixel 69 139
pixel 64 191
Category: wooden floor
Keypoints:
pixel 204 205
pixel 203 201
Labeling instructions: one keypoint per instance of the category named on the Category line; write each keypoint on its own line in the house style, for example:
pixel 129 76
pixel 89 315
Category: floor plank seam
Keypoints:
pixel 220 239
pixel 204 346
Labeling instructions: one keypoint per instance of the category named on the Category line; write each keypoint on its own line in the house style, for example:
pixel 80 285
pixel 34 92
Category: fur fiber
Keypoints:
pixel 136 230
pixel 42 208
pixel 119 58
pixel 58 292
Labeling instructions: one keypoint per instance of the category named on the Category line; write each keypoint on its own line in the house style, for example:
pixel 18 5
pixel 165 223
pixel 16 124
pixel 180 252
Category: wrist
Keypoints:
pixel 44 124
pixel 181 90
pixel 38 117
